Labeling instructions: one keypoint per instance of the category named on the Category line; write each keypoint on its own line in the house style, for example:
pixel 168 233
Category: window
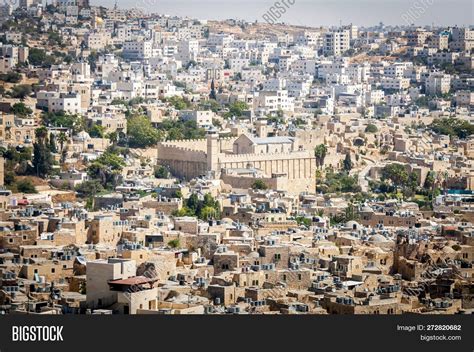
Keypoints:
pixel 53 270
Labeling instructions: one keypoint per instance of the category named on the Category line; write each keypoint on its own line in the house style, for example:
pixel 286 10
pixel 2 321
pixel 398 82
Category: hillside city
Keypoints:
pixel 153 164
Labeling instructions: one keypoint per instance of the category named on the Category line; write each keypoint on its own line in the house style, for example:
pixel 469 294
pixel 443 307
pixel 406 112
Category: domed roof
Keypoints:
pixel 82 136
pixel 352 224
pixel 254 255
pixel 377 238
pixel 447 249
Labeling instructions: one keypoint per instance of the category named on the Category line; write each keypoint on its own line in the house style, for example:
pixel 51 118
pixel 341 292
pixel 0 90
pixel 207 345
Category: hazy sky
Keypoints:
pixel 316 12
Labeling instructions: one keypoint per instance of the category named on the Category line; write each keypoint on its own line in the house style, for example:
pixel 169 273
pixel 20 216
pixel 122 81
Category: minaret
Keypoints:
pixel 213 95
pixel 261 128
pixel 212 154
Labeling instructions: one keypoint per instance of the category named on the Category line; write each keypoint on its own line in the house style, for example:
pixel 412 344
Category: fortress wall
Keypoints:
pixel 183 162
pixel 185 169
pixel 194 144
pixel 188 159
pixel 166 152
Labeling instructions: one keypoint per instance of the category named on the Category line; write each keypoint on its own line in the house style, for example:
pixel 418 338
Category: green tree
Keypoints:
pixel 205 209
pixel 21 109
pixel 106 169
pixel 236 109
pixel 211 104
pixel 177 130
pixel 184 211
pixel 97 131
pixel 396 173
pixel 21 91
pixel 61 119
pixel 42 158
pixel 62 138
pixel 89 188
pixel 113 137
pixel 26 186
pixel 320 153
pixel 430 180
pixel 259 185
pixel 174 243
pixel 350 213
pixel 208 213
pixel 52 144
pixel 193 202
pixel 141 133
pixel 11 77
pixel 301 220
pixel 179 103
pixel 371 128
pixel 162 172
pixel 453 127
pixel 348 162
pixel 38 57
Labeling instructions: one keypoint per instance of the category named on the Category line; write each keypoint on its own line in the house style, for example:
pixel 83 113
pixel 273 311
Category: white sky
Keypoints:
pixel 316 12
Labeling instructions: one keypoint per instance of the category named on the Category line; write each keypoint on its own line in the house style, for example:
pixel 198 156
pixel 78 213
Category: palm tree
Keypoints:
pixel 62 138
pixel 113 137
pixel 320 153
pixel 41 133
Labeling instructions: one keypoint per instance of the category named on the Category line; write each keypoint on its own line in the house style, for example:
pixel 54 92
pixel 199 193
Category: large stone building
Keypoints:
pixel 278 161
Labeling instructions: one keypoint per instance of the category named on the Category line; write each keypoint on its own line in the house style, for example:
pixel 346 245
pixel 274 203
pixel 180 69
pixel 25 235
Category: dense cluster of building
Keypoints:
pixel 273 169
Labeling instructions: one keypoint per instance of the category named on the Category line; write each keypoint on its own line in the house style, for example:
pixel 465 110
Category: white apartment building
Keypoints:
pixel 374 96
pixel 437 83
pixel 69 103
pixel 270 102
pixel 465 98
pixel 202 118
pixel 220 39
pixel 238 64
pixel 395 83
pixel 462 39
pixel 395 70
pixel 97 40
pixel 123 33
pixel 329 67
pixel 305 66
pixel 336 42
pixel 188 50
pixel 137 50
pixel 274 84
pixel 308 38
